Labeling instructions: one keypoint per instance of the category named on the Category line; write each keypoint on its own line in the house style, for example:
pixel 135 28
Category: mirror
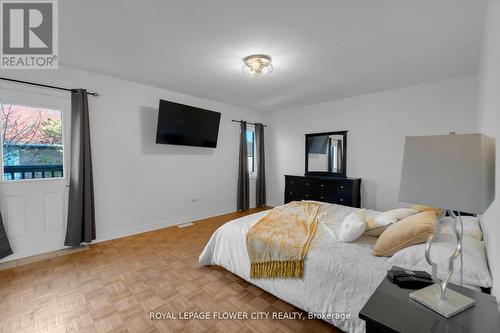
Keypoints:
pixel 326 154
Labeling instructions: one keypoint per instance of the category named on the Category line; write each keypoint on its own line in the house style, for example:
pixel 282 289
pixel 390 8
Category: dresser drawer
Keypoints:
pixel 344 199
pixel 301 184
pixel 294 183
pixel 327 188
pixel 293 194
pixel 322 197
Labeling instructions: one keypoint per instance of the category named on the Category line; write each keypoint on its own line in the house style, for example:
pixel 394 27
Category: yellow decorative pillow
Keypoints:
pixel 409 231
pixel 424 208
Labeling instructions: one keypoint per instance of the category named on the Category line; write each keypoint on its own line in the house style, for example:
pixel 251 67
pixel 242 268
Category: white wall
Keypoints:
pixel 377 125
pixel 140 185
pixel 489 123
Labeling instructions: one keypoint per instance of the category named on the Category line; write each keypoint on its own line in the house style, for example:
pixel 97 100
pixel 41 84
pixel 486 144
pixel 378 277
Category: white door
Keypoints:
pixel 34 168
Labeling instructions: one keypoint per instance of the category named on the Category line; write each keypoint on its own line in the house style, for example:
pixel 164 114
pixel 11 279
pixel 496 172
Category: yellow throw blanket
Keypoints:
pixel 278 243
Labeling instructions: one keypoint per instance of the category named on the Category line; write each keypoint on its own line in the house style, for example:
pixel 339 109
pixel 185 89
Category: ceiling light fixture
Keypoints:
pixel 257 65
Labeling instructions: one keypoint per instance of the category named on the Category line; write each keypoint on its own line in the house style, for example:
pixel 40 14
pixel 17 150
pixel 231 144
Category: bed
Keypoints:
pixel 338 277
pixel 333 287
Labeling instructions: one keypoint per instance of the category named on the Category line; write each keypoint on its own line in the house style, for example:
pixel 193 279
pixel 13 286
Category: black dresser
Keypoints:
pixel 341 191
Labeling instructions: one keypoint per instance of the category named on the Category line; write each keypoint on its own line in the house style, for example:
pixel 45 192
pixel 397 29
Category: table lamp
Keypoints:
pixel 456 173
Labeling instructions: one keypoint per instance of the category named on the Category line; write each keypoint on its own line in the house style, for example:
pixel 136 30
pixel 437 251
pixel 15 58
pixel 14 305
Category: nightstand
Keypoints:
pixel 390 309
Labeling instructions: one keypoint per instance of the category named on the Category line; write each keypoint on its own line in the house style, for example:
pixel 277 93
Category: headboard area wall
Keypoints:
pixel 378 124
pixel 489 120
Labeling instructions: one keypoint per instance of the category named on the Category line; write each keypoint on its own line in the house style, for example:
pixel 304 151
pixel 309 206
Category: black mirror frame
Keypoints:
pixel 344 160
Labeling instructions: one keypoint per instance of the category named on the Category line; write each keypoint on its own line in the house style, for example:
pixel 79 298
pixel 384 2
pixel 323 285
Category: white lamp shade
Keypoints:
pixel 455 171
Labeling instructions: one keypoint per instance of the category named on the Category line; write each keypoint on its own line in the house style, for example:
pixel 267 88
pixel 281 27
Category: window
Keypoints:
pixel 251 150
pixel 32 142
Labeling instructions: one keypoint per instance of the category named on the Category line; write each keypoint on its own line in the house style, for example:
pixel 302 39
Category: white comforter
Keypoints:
pixel 338 277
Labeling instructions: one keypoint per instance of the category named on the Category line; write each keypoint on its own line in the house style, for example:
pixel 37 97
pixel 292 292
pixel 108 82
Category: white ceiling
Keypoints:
pixel 322 49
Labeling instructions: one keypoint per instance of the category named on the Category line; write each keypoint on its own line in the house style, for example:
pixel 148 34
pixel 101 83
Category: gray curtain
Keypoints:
pixel 81 216
pixel 5 249
pixel 261 166
pixel 243 182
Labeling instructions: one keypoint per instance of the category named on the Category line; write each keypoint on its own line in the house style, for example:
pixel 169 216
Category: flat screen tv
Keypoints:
pixel 185 125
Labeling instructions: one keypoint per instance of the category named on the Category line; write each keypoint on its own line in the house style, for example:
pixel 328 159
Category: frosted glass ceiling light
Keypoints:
pixel 257 65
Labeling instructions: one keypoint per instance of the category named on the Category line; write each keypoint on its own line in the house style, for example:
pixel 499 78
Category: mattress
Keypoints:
pixel 338 277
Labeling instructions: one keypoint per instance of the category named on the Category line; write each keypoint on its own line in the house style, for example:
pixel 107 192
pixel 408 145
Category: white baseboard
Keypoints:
pixel 160 225
pixel 42 256
pixel 105 236
pixel 185 225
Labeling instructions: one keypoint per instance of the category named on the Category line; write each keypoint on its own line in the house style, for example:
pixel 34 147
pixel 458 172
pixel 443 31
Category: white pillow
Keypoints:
pixel 402 213
pixel 471 226
pixel 382 221
pixel 475 268
pixel 353 226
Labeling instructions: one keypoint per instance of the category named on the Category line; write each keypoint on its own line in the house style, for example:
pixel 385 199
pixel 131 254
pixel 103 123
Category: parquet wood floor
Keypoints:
pixel 115 284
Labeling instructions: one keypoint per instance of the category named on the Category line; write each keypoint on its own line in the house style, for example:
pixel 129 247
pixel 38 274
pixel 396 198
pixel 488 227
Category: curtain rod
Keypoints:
pixel 45 86
pixel 239 121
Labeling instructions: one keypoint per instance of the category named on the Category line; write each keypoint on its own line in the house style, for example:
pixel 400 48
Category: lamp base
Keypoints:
pixel 452 305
